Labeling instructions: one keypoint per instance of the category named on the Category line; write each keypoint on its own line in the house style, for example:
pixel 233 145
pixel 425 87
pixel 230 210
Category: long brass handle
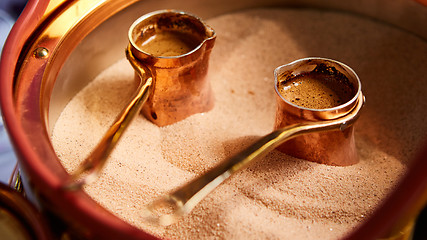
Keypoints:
pixel 169 208
pixel 91 167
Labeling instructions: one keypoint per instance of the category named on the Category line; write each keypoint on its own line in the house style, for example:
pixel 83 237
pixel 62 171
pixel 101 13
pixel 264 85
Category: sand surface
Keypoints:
pixel 279 197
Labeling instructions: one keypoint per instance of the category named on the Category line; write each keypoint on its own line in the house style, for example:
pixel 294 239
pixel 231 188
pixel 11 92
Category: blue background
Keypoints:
pixel 9 12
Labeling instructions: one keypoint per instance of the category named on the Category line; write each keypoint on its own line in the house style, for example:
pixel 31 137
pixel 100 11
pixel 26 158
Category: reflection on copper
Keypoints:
pixel 181 88
pixel 336 147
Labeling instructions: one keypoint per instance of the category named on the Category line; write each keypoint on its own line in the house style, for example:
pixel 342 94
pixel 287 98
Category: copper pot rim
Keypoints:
pixel 210 32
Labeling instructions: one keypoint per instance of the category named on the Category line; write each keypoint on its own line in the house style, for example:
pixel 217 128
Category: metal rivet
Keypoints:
pixel 41 52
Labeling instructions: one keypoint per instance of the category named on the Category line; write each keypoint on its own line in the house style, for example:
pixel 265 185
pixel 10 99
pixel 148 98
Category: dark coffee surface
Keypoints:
pixel 168 43
pixel 315 90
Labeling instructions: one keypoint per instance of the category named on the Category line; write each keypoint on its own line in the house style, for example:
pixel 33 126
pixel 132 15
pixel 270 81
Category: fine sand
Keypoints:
pixel 278 197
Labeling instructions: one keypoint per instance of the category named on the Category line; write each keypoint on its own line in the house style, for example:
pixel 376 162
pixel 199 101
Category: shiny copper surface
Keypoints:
pixel 181 88
pixel 336 147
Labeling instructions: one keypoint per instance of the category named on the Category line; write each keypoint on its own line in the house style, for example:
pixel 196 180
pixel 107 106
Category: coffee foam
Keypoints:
pixel 317 89
pixel 168 43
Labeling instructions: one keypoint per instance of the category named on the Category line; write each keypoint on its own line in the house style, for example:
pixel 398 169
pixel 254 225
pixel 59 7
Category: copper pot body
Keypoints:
pixel 336 147
pixel 181 88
